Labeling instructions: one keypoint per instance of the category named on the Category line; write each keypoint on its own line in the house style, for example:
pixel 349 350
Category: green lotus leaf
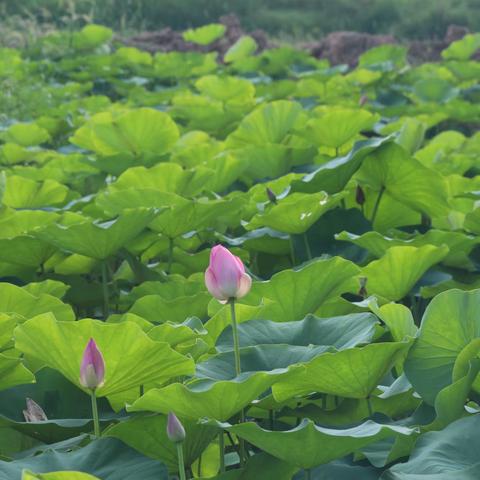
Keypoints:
pixel 268 124
pixel 462 49
pixel 459 244
pixel 395 401
pixel 450 402
pixel 140 132
pixel 350 373
pixel 233 91
pixel 340 332
pixel 296 213
pixel 177 65
pixel 332 176
pixel 177 287
pixel 275 360
pixel 165 177
pixel 177 214
pixel 17 300
pixel 25 250
pixel 400 268
pixel 334 127
pixel 273 160
pixel 263 240
pixel 105 458
pixel 449 330
pixel 384 57
pixel 91 36
pixel 7 326
pixel 51 287
pixel 472 221
pixel 13 372
pixel 449 453
pixel 60 346
pixel 148 435
pixel 242 48
pixel 434 90
pixel 17 222
pixel 157 309
pixel 26 134
pixel 21 192
pixel 176 334
pixel 204 35
pixel 411 135
pixel 205 398
pixel 95 239
pixel 133 56
pixel 57 476
pixel 391 168
pixel 114 202
pixel 397 318
pixel 295 293
pixel 309 445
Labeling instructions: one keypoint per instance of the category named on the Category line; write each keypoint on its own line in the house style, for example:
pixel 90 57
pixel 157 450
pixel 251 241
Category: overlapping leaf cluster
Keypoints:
pixel 351 196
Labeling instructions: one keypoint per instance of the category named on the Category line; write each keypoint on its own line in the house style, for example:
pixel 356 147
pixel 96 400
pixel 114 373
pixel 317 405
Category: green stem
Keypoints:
pixel 199 466
pixel 221 444
pixel 307 246
pixel 238 371
pixel 236 345
pixel 308 474
pixel 377 204
pixel 370 409
pixel 170 255
pixel 96 421
pixel 292 251
pixel 105 289
pixel 181 461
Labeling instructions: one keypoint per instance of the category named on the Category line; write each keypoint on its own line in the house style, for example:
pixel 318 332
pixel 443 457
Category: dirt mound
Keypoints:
pixel 346 47
pixel 168 40
pixel 338 47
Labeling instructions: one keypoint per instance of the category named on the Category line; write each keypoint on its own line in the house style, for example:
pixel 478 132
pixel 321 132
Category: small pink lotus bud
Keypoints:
pixel 175 430
pixel 34 412
pixel 225 277
pixel 271 196
pixel 359 195
pixel 92 369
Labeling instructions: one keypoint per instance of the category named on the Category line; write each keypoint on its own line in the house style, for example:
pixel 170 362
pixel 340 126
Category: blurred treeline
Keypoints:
pixel 295 19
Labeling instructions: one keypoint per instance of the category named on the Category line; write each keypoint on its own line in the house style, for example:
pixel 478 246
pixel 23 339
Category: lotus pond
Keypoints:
pixel 341 343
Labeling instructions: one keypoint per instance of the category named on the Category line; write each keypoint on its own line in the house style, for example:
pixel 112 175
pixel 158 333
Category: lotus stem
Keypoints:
pixel 181 461
pixel 377 204
pixel 96 421
pixel 369 405
pixel 221 444
pixel 292 251
pixel 307 246
pixel 308 474
pixel 236 346
pixel 238 371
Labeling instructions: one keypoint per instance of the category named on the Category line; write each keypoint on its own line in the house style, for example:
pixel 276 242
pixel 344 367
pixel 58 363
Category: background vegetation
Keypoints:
pixel 301 19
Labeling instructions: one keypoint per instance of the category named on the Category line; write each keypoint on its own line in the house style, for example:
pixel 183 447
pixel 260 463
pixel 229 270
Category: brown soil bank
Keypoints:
pixel 337 47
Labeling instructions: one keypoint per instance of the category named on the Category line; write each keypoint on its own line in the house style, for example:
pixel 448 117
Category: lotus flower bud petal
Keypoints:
pixel 225 276
pixel 175 430
pixel 34 412
pixel 359 195
pixel 92 369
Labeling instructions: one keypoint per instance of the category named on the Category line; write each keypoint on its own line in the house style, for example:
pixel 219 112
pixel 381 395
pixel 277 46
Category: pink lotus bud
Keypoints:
pixel 175 430
pixel 34 412
pixel 225 277
pixel 92 370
